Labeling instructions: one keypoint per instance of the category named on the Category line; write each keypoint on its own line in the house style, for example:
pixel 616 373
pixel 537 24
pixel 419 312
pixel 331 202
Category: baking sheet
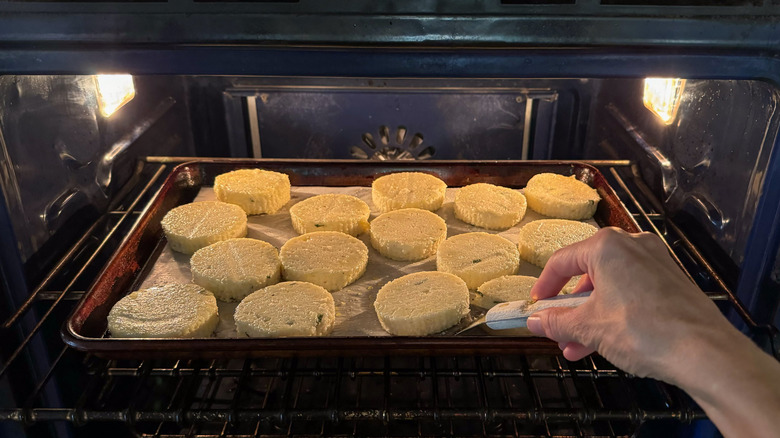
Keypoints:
pixel 143 250
pixel 355 315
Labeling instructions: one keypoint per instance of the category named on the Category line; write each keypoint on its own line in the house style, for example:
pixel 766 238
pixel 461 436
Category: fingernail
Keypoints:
pixel 535 325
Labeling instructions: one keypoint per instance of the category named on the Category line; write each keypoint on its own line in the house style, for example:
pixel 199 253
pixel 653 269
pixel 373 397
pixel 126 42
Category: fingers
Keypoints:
pixel 564 264
pixel 560 324
pixel 575 351
pixel 583 285
pixel 579 258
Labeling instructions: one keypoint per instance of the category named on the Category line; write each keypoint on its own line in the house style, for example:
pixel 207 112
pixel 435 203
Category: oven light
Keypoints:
pixel 662 96
pixel 113 92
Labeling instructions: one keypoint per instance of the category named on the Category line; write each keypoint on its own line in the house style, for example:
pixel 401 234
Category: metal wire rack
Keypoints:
pixel 496 396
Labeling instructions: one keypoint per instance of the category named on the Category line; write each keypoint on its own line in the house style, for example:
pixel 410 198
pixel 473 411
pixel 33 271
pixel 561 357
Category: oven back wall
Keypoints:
pixel 410 118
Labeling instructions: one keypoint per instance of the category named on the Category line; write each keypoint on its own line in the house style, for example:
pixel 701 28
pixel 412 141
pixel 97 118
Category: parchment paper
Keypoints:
pixel 355 316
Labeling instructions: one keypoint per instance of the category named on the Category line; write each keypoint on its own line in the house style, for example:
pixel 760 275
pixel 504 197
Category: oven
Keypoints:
pixel 674 103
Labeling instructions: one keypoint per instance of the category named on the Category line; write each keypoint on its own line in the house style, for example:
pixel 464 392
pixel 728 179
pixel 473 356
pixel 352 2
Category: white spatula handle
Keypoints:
pixel 514 314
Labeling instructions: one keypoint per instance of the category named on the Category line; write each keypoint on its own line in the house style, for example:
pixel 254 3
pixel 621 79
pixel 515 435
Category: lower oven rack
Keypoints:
pixel 499 395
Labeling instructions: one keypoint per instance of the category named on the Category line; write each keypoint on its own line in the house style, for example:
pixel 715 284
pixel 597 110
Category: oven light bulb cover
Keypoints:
pixel 662 97
pixel 113 92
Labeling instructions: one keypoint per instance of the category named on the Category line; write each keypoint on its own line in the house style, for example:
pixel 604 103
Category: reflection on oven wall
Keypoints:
pixel 707 165
pixel 64 161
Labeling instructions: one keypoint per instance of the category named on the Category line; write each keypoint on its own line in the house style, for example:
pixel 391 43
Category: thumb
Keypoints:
pixel 559 324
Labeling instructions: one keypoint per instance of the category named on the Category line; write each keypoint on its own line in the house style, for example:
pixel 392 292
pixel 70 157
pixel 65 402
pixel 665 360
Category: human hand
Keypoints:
pixel 647 318
pixel 644 313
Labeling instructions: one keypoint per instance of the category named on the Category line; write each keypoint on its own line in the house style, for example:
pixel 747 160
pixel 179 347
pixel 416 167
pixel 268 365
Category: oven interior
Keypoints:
pixel 74 181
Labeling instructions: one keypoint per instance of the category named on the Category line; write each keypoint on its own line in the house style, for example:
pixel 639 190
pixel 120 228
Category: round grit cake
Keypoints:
pixel 538 240
pixel 409 234
pixel 511 288
pixel 408 190
pixel 326 258
pixel 234 268
pixel 190 227
pixel 477 257
pixel 489 206
pixel 291 308
pixel 422 303
pixel 257 191
pixel 503 289
pixel 170 311
pixel 330 212
pixel 561 197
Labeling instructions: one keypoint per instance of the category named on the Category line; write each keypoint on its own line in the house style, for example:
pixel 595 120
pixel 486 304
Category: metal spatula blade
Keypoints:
pixel 514 314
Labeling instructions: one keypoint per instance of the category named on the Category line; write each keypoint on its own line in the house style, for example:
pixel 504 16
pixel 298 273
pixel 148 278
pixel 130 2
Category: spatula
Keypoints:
pixel 514 314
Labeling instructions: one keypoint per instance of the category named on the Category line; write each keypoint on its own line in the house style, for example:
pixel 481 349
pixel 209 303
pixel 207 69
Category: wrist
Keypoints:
pixel 712 358
pixel 736 383
pixel 718 361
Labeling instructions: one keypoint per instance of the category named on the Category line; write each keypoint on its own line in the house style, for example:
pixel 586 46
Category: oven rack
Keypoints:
pixel 506 395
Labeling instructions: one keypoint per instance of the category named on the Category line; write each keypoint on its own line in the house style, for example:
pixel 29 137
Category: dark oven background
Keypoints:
pixel 423 81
